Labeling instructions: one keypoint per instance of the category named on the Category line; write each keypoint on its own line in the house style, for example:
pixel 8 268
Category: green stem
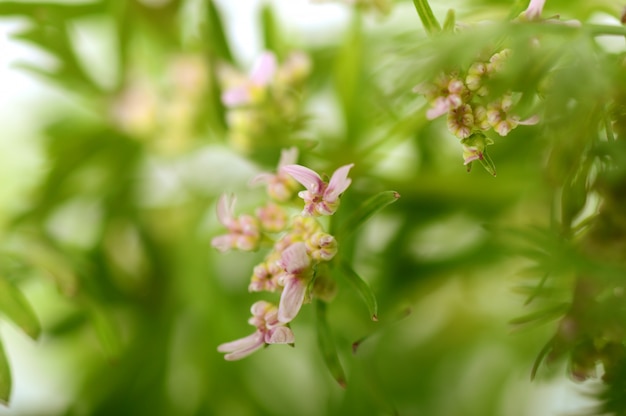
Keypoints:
pixel 600 30
pixel 427 17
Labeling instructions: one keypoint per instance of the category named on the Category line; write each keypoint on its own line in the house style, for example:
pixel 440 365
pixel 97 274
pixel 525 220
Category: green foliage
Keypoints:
pixel 109 256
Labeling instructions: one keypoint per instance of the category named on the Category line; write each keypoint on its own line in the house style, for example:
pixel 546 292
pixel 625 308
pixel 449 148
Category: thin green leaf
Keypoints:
pixel 6 381
pixel 542 315
pixel 397 316
pixel 574 194
pixel 107 333
pixel 48 260
pixel 15 307
pixel 366 210
pixel 448 24
pixel 427 17
pixel 215 33
pixel 538 289
pixel 48 11
pixel 361 286
pixel 542 354
pixel 327 345
pixel 271 31
pixel 350 81
pixel 488 164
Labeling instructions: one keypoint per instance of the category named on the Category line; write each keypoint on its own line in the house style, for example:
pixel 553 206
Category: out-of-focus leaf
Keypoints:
pixel 14 306
pixel 107 332
pixel 361 286
pixel 448 24
pixel 46 259
pixel 574 194
pixel 47 11
pixel 350 81
pixel 327 345
pixel 215 33
pixel 271 32
pixel 431 25
pixel 55 40
pixel 6 380
pixel 543 315
pixel 398 315
pixel 367 210
pixel 542 354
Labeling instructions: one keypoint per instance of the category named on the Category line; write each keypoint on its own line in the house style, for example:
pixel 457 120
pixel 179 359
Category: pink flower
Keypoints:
pixel 280 186
pixel 320 198
pixel 248 91
pixel 269 331
pixel 446 93
pixel 499 117
pixel 295 261
pixel 243 232
pixel 471 153
pixel 461 121
pixel 265 275
pixel 272 217
pixel 534 10
pixel 321 246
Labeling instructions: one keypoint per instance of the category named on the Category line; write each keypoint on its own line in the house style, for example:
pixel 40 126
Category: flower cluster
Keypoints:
pixel 258 104
pixel 470 107
pixel 164 111
pixel 299 245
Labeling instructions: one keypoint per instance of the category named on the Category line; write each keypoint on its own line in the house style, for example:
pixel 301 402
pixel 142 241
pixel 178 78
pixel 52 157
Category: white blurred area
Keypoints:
pixel 41 375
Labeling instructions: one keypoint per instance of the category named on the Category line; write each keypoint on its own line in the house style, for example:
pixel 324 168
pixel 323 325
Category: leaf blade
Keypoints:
pixel 6 379
pixel 367 210
pixel 327 345
pixel 363 288
pixel 431 25
pixel 16 308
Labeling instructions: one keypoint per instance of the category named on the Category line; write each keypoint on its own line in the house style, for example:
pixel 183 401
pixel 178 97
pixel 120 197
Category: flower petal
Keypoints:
pixel 530 121
pixel 288 157
pixel 439 107
pixel 291 299
pixel 236 96
pixel 279 335
pixel 264 69
pixel 307 177
pixel 242 343
pixel 222 243
pixel 226 209
pixel 338 183
pixel 260 308
pixel 534 9
pixel 239 354
pixel 294 259
pixel 261 178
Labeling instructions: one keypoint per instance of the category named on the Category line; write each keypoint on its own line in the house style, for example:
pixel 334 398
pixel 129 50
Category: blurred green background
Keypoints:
pixel 116 146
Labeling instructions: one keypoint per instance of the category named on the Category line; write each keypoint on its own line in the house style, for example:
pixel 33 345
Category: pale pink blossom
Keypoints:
pixel 269 330
pixel 294 69
pixel 265 275
pixel 535 7
pixel 249 90
pixel 320 198
pixel 471 153
pixel 321 246
pixel 296 263
pixel 461 121
pixel 280 186
pixel 500 118
pixel 272 217
pixel 243 231
pixel 445 94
